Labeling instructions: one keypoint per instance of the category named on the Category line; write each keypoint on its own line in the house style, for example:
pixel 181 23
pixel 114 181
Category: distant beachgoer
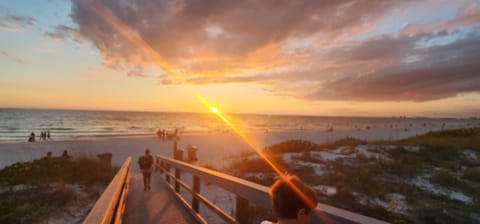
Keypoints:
pixel 32 137
pixel 48 135
pixel 292 201
pixel 146 164
pixel 49 154
pixel 65 154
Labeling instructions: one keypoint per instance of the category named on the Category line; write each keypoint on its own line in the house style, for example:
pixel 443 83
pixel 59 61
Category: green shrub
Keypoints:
pixel 54 169
pixel 46 186
pixel 302 145
pixel 444 178
pixel 472 174
pixel 447 139
pixel 347 141
pixel 292 146
pixel 256 165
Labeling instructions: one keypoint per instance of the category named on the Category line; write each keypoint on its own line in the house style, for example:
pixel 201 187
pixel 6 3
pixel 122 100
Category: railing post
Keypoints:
pixel 174 155
pixel 242 210
pixel 162 166
pixel 196 190
pixel 167 168
pixel 177 177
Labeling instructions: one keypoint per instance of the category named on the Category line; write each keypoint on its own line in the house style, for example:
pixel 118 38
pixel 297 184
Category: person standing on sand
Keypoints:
pixel 288 205
pixel 32 137
pixel 146 164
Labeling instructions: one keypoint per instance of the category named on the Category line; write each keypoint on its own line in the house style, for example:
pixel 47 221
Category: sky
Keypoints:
pixel 333 58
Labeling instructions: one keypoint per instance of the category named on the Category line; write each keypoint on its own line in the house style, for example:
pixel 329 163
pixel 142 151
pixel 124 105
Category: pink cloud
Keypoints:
pixel 305 48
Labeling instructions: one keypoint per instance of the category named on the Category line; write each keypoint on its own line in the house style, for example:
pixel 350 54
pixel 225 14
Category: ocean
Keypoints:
pixel 17 124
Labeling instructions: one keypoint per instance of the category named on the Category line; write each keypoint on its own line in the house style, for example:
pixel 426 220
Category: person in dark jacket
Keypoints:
pixel 146 166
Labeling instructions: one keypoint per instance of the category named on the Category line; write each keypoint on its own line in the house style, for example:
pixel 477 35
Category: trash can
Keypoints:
pixel 178 154
pixel 192 153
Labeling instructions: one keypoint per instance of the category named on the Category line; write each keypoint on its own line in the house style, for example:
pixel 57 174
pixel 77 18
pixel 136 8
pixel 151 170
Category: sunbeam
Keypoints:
pixel 132 36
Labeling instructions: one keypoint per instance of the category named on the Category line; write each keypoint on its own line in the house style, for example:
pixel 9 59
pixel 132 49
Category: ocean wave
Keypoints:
pixel 9 128
pixel 62 129
pixel 135 127
pixel 16 124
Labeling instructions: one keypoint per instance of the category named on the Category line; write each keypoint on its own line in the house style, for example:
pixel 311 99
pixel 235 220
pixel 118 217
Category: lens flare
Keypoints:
pixel 132 36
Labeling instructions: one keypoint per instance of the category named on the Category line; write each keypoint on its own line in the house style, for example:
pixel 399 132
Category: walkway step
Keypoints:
pixel 155 206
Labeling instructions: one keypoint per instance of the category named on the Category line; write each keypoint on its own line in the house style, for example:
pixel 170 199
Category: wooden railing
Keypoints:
pixel 110 206
pixel 246 193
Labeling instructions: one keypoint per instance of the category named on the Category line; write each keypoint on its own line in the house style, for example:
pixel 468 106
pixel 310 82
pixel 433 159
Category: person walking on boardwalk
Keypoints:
pixel 146 164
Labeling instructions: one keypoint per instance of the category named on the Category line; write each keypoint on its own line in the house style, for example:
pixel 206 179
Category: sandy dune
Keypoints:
pixel 212 147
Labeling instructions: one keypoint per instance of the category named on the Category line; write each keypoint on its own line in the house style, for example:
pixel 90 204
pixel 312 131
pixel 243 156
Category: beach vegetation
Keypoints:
pixel 465 138
pixel 436 174
pixel 347 141
pixel 302 145
pixel 256 165
pixel 292 146
pixel 472 173
pixel 32 192
pixel 444 178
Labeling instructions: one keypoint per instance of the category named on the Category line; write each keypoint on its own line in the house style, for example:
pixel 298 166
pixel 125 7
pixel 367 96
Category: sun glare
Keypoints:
pixel 137 40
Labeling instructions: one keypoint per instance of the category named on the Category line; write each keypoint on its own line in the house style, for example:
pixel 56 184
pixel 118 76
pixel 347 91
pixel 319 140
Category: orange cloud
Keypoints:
pixel 305 49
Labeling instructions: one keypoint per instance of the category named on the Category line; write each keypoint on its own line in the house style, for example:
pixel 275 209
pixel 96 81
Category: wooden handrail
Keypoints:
pixel 104 210
pixel 258 193
pixel 248 192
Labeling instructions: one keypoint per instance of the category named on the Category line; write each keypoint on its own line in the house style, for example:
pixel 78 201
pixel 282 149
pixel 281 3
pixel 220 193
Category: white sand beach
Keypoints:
pixel 212 147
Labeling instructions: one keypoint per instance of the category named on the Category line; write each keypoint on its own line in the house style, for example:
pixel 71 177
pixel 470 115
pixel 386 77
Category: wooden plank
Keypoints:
pixel 123 200
pixel 258 194
pixel 197 216
pixel 177 178
pixel 103 210
pixel 242 210
pixel 196 190
pixel 159 205
pixel 345 215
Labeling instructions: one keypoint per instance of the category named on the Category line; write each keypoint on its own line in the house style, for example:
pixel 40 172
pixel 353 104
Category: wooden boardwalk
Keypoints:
pixel 158 205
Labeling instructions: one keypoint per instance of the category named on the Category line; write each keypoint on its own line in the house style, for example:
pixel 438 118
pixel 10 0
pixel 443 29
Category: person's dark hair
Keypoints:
pixel 287 202
pixel 147 151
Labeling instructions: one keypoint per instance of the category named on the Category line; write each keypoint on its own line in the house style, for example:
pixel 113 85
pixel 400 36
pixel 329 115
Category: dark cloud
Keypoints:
pixel 379 48
pixel 62 32
pixel 219 41
pixel 16 23
pixel 191 29
pixel 469 15
pixel 403 71
pixel 440 71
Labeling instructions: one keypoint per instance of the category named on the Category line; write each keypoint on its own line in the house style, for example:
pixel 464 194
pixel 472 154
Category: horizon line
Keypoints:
pixel 238 113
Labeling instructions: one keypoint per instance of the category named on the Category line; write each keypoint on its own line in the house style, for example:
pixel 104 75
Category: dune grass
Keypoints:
pixel 443 156
pixel 465 138
pixel 302 145
pixel 33 191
